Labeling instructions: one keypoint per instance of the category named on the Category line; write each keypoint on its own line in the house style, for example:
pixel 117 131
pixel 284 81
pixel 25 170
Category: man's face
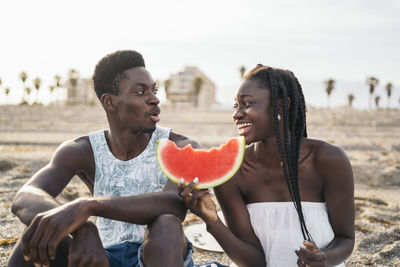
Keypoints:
pixel 136 103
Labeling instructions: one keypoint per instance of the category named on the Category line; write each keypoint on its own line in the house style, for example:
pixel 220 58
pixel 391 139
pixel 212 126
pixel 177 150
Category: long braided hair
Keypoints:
pixel 284 86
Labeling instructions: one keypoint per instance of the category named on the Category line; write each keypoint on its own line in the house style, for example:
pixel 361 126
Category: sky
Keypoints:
pixel 346 40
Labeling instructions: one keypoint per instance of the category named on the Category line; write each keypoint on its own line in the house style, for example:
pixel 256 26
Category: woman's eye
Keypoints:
pixel 246 103
pixel 235 106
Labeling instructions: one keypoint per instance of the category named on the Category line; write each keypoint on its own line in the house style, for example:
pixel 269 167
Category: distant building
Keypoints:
pixel 81 92
pixel 181 90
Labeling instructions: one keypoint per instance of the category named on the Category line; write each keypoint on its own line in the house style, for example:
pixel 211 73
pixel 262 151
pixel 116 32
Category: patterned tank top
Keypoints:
pixel 114 177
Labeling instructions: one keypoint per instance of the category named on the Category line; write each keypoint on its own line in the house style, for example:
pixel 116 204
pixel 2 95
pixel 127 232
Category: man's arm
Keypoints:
pixel 38 194
pixel 182 141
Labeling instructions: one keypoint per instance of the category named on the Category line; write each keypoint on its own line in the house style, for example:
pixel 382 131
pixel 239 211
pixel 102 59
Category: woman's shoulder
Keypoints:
pixel 323 152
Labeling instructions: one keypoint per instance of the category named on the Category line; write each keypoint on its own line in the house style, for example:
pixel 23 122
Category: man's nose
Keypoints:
pixel 154 100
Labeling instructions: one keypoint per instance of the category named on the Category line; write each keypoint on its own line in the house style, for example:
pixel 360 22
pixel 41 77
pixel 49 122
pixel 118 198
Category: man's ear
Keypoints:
pixel 108 102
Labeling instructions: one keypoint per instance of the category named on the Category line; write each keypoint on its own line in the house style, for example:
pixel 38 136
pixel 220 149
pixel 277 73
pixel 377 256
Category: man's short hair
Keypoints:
pixel 110 70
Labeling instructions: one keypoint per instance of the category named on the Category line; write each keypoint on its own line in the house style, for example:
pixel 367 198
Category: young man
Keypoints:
pixel 118 166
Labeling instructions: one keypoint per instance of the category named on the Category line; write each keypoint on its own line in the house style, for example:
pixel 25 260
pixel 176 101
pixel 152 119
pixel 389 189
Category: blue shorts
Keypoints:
pixel 129 254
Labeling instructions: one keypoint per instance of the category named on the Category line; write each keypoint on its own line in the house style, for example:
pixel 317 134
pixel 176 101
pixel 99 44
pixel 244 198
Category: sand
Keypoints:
pixel 30 134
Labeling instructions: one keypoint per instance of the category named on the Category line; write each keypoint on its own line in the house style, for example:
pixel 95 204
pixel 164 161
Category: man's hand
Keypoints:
pixel 311 256
pixel 47 229
pixel 199 202
pixel 86 248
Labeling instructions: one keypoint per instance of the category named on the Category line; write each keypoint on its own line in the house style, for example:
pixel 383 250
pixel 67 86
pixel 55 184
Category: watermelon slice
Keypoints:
pixel 213 167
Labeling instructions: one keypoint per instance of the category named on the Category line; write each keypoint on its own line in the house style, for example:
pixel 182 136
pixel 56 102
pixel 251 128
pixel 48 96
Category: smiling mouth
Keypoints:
pixel 243 127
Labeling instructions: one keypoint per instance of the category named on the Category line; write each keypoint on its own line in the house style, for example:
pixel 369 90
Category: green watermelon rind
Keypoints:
pixel 215 183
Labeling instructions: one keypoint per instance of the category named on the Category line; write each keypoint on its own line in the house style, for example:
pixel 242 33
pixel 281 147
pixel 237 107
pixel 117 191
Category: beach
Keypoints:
pixel 30 134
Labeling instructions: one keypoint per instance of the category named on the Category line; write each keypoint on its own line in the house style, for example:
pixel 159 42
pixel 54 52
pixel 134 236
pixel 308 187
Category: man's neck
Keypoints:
pixel 125 145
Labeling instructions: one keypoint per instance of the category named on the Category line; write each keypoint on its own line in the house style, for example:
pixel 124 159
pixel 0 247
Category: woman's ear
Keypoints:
pixel 108 102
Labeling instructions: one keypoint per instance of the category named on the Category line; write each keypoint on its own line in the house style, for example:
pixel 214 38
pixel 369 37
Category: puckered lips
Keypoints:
pixel 154 114
pixel 243 127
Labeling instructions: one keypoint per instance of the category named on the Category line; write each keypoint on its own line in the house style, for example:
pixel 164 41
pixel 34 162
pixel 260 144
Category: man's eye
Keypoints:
pixel 235 106
pixel 140 91
pixel 155 90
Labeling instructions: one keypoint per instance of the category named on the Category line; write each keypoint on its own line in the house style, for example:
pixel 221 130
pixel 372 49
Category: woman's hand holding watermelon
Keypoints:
pixel 199 202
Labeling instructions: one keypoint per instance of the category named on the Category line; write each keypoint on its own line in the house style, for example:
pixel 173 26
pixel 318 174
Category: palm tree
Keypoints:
pixel 242 70
pixel 57 79
pixel 37 82
pixel 58 84
pixel 28 91
pixel 372 82
pixel 377 99
pixel 51 89
pixel 330 85
pixel 23 76
pixel 73 77
pixel 7 91
pixel 350 98
pixel 197 83
pixel 389 87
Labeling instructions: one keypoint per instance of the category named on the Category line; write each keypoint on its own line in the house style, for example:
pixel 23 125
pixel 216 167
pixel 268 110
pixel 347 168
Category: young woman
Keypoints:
pixel 292 201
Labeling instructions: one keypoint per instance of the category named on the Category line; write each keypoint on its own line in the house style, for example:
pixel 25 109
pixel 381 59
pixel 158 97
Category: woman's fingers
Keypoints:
pixel 311 255
pixel 186 190
pixel 197 196
pixel 310 245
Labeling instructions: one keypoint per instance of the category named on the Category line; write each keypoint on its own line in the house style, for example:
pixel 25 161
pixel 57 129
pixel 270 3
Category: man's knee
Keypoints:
pixel 164 238
pixel 166 223
pixel 165 229
pixel 17 258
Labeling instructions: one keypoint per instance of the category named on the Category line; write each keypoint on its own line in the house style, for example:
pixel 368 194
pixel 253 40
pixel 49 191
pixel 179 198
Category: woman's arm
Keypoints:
pixel 239 240
pixel 333 165
pixel 339 196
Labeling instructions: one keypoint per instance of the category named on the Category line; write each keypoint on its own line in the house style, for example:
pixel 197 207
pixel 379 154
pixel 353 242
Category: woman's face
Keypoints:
pixel 253 111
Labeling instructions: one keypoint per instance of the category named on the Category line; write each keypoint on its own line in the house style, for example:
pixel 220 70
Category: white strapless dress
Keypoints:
pixel 277 226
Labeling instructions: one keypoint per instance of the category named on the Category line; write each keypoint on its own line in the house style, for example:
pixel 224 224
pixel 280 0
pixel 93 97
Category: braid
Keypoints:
pixel 284 85
pixel 303 108
pixel 274 98
pixel 297 131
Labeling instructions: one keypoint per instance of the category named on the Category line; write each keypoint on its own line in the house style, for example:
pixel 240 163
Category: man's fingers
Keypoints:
pixel 43 252
pixel 26 238
pixel 53 244
pixel 35 240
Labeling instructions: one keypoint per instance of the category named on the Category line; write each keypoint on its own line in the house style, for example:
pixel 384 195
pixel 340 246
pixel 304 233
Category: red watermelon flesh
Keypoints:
pixel 213 167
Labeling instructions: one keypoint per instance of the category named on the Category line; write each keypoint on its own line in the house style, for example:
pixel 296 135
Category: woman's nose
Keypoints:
pixel 237 114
